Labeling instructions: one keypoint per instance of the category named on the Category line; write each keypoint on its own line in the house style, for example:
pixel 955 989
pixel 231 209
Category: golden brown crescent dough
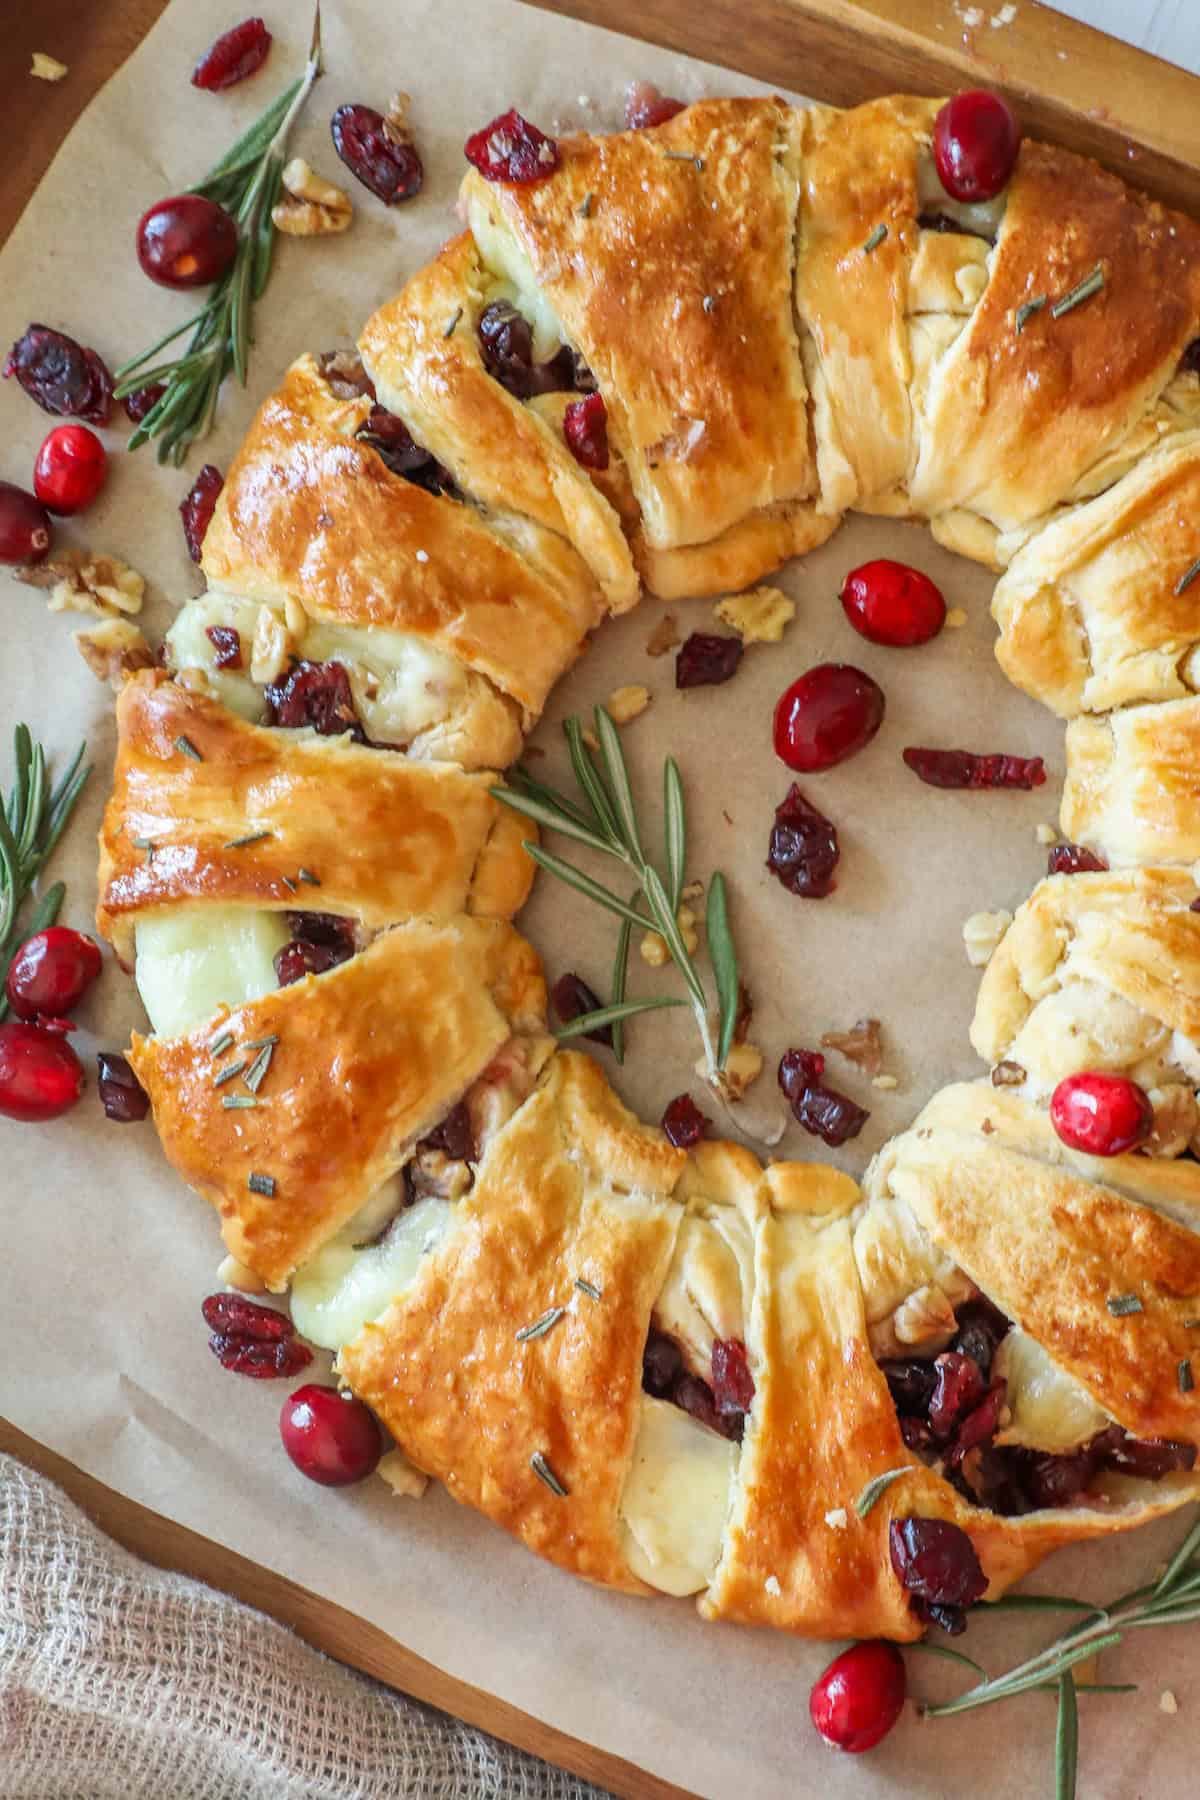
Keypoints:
pixel 1132 790
pixel 308 510
pixel 574 1187
pixel 378 837
pixel 1092 613
pixel 674 282
pixel 370 1056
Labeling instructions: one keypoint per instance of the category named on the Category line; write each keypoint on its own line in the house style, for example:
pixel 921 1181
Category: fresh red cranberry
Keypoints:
pixel 803 851
pixel 226 640
pixel 62 376
pixel 332 1440
pixel 831 1116
pixel 889 603
pixel 24 526
pixel 706 660
pixel 662 1364
pixel 122 1095
pixel 186 241
pixel 732 1382
pixel 512 150
pixel 830 713
pixel 936 1561
pixel 573 997
pixel 585 427
pixel 976 138
pixel 142 401
pixel 1074 859
pixel 69 469
pixel 236 54
pixel 1102 1115
pixel 197 507
pixel 858 1699
pixel 40 1074
pixel 647 106
pixel 683 1122
pixel 316 695
pixel 958 1386
pixel 51 972
pixel 968 769
pixel 455 1136
pixel 378 153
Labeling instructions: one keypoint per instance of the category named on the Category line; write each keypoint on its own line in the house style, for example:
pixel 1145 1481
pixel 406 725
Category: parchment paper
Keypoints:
pixel 106 1256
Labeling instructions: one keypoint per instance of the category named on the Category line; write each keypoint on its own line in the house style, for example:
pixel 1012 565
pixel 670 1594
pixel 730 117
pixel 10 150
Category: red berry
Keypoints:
pixel 186 241
pixel 51 972
pixel 585 427
pixel 122 1095
pixel 330 1439
pixel 829 714
pixel 63 376
pixel 24 526
pixel 683 1122
pixel 976 138
pixel 40 1074
pixel 142 400
pixel 646 106
pixel 974 769
pixel 889 603
pixel 511 149
pixel 1102 1115
pixel 70 469
pixel 197 507
pixel 378 153
pixel 860 1696
pixel 236 54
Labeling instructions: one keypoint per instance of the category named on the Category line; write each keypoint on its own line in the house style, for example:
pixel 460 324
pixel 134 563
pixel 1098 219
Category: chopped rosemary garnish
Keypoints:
pixel 228 1073
pixel 1121 1305
pixel 32 820
pixel 1187 1380
pixel 260 1184
pixel 1091 284
pixel 1027 309
pixel 289 884
pixel 221 1044
pixel 256 1073
pixel 185 747
pixel 1186 579
pixel 452 322
pixel 544 1472
pixel 246 184
pixel 307 875
pixel 541 1326
pixel 1191 1324
pixel 251 837
pixel 258 1043
pixel 876 1488
pixel 876 238
pixel 684 156
pixel 238 1102
pixel 709 302
pixel 585 206
pixel 146 844
pixel 585 1287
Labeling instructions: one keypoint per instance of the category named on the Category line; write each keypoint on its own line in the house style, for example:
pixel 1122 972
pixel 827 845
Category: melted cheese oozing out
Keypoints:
pixel 980 217
pixel 676 1499
pixel 193 959
pixel 503 255
pixel 1050 1410
pixel 341 1288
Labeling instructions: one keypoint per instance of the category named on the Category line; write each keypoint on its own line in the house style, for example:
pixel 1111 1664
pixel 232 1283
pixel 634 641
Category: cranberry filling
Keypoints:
pixel 803 852
pixel 319 941
pixel 957 1387
pixel 226 640
pixel 506 340
pixel 454 1137
pixel 1189 362
pixel 831 1116
pixel 1074 859
pixel 316 695
pixel 720 1409
pixel 936 1562
pixel 732 1382
pixel 392 441
pixel 585 427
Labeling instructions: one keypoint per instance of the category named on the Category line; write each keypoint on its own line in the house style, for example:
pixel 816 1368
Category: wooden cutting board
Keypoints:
pixel 1070 83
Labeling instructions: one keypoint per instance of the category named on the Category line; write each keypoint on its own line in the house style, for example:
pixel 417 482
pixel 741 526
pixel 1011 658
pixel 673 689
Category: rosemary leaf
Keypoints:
pixel 674 830
pixel 1180 1561
pixel 251 837
pixel 1091 284
pixel 1027 309
pixel 620 977
pixel 257 1072
pixel 583 884
pixel 594 790
pixel 957 1656
pixel 522 779
pixel 541 1326
pixel 586 1287
pixel 876 238
pixel 185 747
pixel 1187 1380
pixel 545 1473
pixel 612 1015
pixel 1066 1745
pixel 667 926
pixel 723 957
pixel 260 1184
pixel 617 770
pixel 228 1073
pixel 1122 1305
pixel 1030 1675
pixel 238 1102
pixel 1186 579
pixel 543 814
pixel 451 325
pixel 221 1044
pixel 878 1487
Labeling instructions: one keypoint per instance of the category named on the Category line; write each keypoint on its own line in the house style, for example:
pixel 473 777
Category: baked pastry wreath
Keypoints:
pixel 669 1370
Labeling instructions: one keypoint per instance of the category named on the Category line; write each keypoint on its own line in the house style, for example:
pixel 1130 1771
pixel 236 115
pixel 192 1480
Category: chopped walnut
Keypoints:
pixel 1167 1703
pixel 925 1315
pixel 653 950
pixel 314 207
pixel 692 890
pixel 685 918
pixel 272 648
pixel 344 371
pixel 1176 1120
pixel 83 581
pixel 884 1082
pixel 981 934
pixel 1008 1074
pixel 626 703
pixel 47 68
pixel 235 1274
pixel 743 1066
pixel 433 1172
pixel 862 1045
pixel 114 649
pixel 956 618
pixel 664 637
pixel 397 116
pixel 401 1476
pixel 759 616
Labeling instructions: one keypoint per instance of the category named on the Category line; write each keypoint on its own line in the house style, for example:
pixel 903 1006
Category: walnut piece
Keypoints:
pixel 653 950
pixel 743 1066
pixel 981 934
pixel 759 616
pixel 1008 1074
pixel 862 1045
pixel 626 703
pixel 88 582
pixel 401 1476
pixel 1176 1120
pixel 272 648
pixel 47 68
pixel 114 649
pixel 956 618
pixel 664 637
pixel 314 207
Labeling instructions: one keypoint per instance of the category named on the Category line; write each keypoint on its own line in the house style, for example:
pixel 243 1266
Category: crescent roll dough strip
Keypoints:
pixel 385 838
pixel 309 511
pixel 370 1056
pixel 1132 790
pixel 574 1187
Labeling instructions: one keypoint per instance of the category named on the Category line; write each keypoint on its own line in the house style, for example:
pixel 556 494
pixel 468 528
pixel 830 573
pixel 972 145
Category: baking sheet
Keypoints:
pixel 107 1256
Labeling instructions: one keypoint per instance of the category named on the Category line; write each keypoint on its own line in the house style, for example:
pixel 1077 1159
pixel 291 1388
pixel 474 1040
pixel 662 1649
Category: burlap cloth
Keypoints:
pixel 120 1682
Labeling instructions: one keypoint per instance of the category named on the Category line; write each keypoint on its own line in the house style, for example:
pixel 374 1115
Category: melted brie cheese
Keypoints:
pixel 188 646
pixel 1050 1410
pixel 342 1288
pixel 503 255
pixel 192 959
pixel 676 1499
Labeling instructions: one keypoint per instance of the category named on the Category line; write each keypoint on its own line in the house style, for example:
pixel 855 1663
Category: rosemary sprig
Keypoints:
pixel 246 184
pixel 32 819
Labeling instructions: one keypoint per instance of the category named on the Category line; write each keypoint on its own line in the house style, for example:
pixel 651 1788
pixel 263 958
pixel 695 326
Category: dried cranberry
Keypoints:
pixel 662 1364
pixel 695 1398
pixel 1074 859
pixel 236 1316
pixel 976 138
pixel 512 150
pixel 1149 1458
pixel 24 526
pixel 122 1095
pixel 264 1362
pixel 383 158
pixel 831 1116
pixel 51 972
pixel 647 106
pixel 911 1384
pixel 585 427
pixel 40 1074
pixel 142 400
pixel 917 1436
pixel 832 712
pixel 301 957
pixel 236 54
pixel 936 1561
pixel 979 1426
pixel 332 1439
pixel 506 339
pixel 1189 362
pixel 803 851
pixel 683 1122
pixel 317 695
pixel 706 660
pixel 455 1136
pixel 572 998
pixel 967 769
pixel 186 241
pixel 980 1328
pixel 732 1382
pixel 860 1696
pixel 1057 1480
pixel 331 930
pixel 392 441
pixel 226 640
pixel 889 603
pixel 958 1386
pixel 1100 1114
pixel 69 469
pixel 61 375
pixel 197 507
pixel 940 221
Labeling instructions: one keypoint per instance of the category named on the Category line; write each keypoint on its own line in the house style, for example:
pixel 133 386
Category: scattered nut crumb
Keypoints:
pixel 956 618
pixel 759 616
pixel 590 739
pixel 654 950
pixel 1176 1120
pixel 685 918
pixel 47 68
pixel 87 582
pixel 314 207
pixel 664 637
pixel 771 1584
pixel 401 1476
pixel 743 1066
pixel 272 647
pixel 981 934
pixel 626 703
pixel 197 681
pixel 1046 834
pixel 862 1045
pixel 1167 1702
pixel 836 1519
pixel 1008 1074
pixel 397 114
pixel 692 890
pixel 114 649
pixel 1087 1669
pixel 926 1314
pixel 884 1082
pixel 235 1274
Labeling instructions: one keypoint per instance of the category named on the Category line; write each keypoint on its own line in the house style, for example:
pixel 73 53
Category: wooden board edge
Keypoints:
pixel 327 1626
